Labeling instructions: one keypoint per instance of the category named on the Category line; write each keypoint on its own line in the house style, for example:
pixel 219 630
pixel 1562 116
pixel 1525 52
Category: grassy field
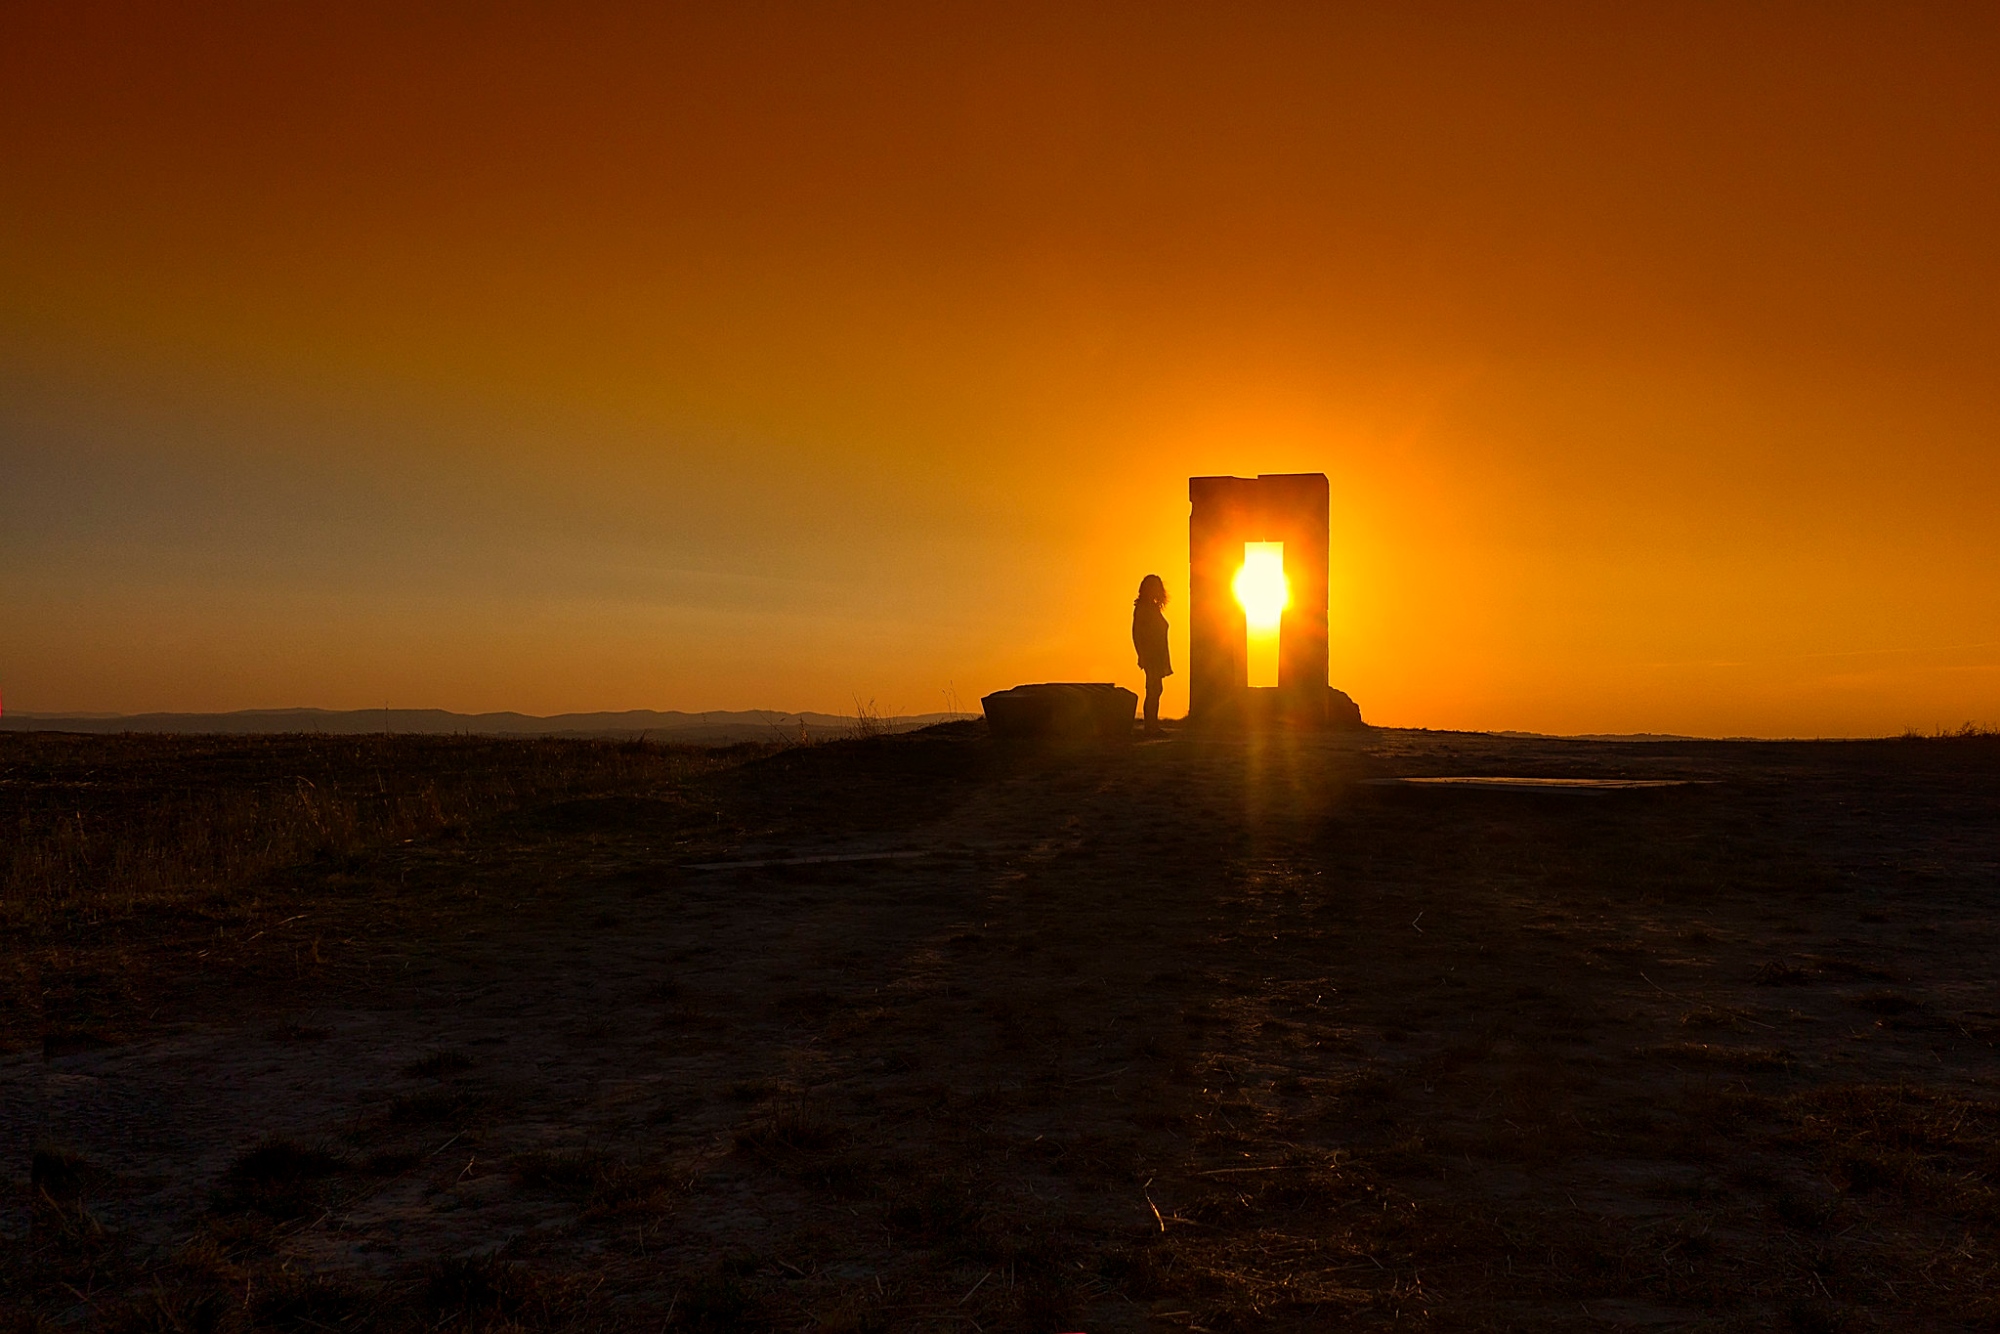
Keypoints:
pixel 426 1033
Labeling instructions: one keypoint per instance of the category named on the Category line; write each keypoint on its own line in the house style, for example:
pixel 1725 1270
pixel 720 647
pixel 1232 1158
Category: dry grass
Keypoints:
pixel 1963 732
pixel 101 827
pixel 127 855
pixel 869 721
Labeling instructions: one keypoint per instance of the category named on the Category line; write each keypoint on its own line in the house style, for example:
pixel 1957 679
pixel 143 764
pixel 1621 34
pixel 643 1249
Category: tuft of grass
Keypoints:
pixel 1968 731
pixel 431 1106
pixel 438 1064
pixel 1782 973
pixel 464 1288
pixel 306 1302
pixel 868 721
pixel 1733 1058
pixel 713 1299
pixel 390 1162
pixel 57 1173
pixel 793 1126
pixel 69 1040
pixel 947 1210
pixel 1802 1211
pixel 575 1172
pixel 1816 1317
pixel 1049 1301
pixel 1886 1002
pixel 278 1178
pixel 165 1312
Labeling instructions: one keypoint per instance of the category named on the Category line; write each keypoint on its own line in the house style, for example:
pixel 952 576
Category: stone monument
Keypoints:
pixel 1242 532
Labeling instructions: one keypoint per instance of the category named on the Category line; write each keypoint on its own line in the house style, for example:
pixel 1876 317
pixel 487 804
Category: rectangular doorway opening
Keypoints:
pixel 1263 592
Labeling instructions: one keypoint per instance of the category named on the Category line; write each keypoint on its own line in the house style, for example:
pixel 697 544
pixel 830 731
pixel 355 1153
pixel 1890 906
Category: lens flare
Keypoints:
pixel 1261 587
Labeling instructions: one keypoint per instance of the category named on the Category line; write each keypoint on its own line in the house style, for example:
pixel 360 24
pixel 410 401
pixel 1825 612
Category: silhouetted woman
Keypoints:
pixel 1149 637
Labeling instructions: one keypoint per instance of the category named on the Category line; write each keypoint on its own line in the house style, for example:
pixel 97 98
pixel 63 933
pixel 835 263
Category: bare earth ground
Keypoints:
pixel 1192 1034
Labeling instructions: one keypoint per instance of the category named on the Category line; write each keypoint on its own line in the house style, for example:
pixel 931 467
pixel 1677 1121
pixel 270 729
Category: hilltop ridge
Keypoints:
pixel 713 726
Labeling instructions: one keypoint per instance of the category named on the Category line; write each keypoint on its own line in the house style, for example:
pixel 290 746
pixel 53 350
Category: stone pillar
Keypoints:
pixel 1224 513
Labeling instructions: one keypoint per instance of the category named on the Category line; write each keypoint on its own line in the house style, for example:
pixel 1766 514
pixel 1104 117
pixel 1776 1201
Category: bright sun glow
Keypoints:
pixel 1261 586
pixel 1263 591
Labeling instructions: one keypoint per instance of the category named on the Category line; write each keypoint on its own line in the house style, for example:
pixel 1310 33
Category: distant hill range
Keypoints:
pixel 707 729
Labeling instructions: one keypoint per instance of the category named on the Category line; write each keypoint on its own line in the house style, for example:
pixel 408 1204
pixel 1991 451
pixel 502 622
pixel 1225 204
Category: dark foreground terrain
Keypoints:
pixel 419 1033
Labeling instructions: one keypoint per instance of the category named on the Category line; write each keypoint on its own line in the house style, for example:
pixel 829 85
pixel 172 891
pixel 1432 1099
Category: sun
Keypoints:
pixel 1261 586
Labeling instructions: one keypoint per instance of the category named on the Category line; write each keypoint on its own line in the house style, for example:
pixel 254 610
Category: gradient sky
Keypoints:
pixel 569 357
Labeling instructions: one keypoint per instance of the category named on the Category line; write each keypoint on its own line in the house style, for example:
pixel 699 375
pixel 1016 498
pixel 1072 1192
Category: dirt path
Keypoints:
pixel 1195 1034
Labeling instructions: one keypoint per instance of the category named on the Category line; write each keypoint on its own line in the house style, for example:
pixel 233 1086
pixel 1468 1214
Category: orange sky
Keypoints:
pixel 560 357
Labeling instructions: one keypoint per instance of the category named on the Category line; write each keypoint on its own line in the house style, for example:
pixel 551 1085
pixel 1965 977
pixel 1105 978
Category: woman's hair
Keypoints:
pixel 1151 589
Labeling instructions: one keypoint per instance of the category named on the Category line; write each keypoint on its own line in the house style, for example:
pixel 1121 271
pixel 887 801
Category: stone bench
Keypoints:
pixel 1062 711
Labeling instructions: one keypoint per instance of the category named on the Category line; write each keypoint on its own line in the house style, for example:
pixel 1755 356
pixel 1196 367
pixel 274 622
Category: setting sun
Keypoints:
pixel 1263 592
pixel 1260 586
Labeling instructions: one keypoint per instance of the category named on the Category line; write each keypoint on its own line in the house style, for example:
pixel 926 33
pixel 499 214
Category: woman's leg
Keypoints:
pixel 1153 685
